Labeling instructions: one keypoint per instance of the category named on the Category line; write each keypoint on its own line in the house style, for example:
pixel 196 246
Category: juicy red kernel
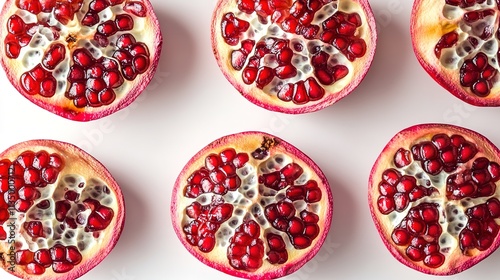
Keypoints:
pixel 136 8
pixel 447 41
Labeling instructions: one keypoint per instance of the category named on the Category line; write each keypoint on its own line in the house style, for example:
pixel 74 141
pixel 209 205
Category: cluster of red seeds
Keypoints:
pixel 443 153
pixel 92 80
pixel 19 35
pixel 478 181
pixel 246 249
pixel 206 221
pixel 218 175
pixel 64 11
pixel 481 229
pixel 464 3
pixel 60 258
pixel 340 30
pixel 477 74
pixel 301 230
pixel 133 56
pixel 99 218
pixel 397 191
pixel 420 231
pixel 277 253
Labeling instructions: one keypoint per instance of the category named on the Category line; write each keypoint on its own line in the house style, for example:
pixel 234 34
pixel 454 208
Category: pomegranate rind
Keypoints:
pixel 427 26
pixel 247 142
pixel 64 107
pixel 76 161
pixel 456 261
pixel 333 93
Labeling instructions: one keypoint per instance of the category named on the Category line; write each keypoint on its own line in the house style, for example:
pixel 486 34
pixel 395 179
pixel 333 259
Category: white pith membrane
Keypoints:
pixel 433 19
pixel 249 202
pixel 32 54
pixel 452 212
pixel 79 175
pixel 301 60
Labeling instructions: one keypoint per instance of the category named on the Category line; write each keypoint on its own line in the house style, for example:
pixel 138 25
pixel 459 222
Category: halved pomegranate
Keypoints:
pixel 80 59
pixel 434 197
pixel 61 212
pixel 252 205
pixel 456 42
pixel 294 56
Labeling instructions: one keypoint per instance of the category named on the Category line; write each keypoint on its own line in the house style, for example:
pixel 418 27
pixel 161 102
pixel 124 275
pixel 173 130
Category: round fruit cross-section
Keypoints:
pixel 434 197
pixel 294 56
pixel 252 205
pixel 61 212
pixel 456 42
pixel 80 59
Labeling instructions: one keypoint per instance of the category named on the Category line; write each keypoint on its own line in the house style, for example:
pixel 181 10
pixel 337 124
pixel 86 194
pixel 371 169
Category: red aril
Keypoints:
pixel 294 56
pixel 61 211
pixel 252 205
pixel 80 59
pixel 434 198
pixel 456 42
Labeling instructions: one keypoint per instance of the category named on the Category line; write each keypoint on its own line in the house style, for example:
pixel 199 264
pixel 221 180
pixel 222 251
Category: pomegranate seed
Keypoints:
pixel 61 209
pixel 107 28
pixel 295 226
pixel 221 213
pixel 406 184
pixel 264 76
pixel 401 201
pixel 295 193
pixel 247 6
pixel 35 269
pixel 54 55
pixel 275 242
pixel 62 266
pixel 82 57
pixel 24 257
pixel 15 25
pixel 434 260
pixel 73 255
pixel 301 242
pixel 23 205
pixel 285 72
pixel 124 22
pixel 493 205
pixel 48 87
pixel 249 75
pixel 401 237
pixel 136 8
pixel 33 7
pixel 98 5
pixel 140 63
pixel 286 92
pixel 43 257
pixel 63 12
pixel 91 18
pixel 415 254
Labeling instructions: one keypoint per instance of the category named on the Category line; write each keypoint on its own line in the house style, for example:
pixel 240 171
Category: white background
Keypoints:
pixel 189 104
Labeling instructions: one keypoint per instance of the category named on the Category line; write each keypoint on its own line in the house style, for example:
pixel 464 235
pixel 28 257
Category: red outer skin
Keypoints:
pixel 80 114
pixel 409 133
pixel 99 170
pixel 289 267
pixel 329 98
pixel 436 72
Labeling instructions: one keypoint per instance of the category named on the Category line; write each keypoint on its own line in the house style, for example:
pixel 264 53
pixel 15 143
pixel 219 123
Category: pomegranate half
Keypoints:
pixel 61 211
pixel 252 205
pixel 434 197
pixel 294 56
pixel 456 42
pixel 80 59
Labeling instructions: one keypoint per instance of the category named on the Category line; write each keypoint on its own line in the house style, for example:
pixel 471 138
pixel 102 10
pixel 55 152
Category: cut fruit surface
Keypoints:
pixel 61 212
pixel 80 59
pixel 252 205
pixel 294 56
pixel 456 42
pixel 434 197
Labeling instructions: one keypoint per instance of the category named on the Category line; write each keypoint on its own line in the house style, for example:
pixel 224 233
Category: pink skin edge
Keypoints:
pixel 417 130
pixel 434 71
pixel 329 98
pixel 83 116
pixel 287 268
pixel 87 264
